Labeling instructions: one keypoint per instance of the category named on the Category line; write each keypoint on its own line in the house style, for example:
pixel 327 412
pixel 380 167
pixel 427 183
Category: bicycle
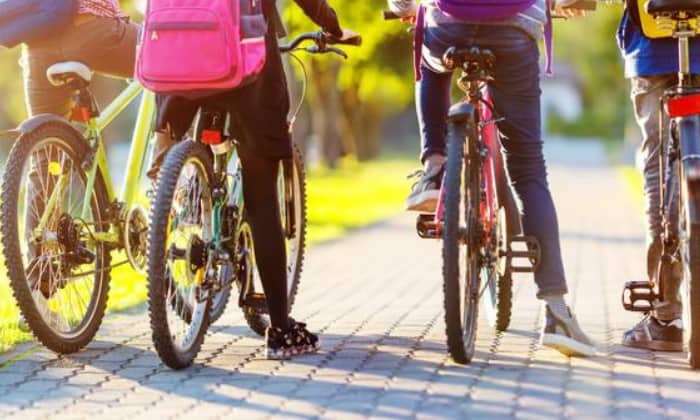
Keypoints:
pixel 60 215
pixel 477 217
pixel 680 166
pixel 200 242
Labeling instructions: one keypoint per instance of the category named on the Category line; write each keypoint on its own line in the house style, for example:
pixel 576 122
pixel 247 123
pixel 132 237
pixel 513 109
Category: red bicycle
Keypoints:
pixel 477 217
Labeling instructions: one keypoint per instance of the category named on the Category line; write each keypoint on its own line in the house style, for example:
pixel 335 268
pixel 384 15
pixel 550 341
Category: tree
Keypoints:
pixel 350 101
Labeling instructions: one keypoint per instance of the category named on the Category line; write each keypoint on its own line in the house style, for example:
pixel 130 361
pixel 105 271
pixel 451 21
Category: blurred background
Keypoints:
pixel 358 128
pixel 363 108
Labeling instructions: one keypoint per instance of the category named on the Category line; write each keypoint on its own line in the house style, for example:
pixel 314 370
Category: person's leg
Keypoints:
pixel 663 329
pixel 432 106
pixel 106 45
pixel 261 202
pixel 516 95
pixel 40 96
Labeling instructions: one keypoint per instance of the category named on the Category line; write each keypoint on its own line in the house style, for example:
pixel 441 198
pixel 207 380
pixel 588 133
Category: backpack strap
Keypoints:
pixel 418 41
pixel 548 40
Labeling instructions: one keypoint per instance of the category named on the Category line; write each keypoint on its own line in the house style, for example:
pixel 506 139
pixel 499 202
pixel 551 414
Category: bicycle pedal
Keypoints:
pixel 427 228
pixel 255 303
pixel 532 253
pixel 638 296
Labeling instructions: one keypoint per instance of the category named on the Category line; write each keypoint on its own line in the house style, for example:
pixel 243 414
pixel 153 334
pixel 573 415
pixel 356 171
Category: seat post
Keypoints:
pixel 684 31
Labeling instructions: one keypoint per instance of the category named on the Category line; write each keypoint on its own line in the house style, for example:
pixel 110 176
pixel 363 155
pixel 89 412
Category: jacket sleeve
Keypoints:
pixel 322 14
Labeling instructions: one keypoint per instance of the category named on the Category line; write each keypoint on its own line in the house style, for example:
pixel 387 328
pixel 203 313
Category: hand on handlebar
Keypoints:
pixel 572 8
pixel 323 43
pixel 349 38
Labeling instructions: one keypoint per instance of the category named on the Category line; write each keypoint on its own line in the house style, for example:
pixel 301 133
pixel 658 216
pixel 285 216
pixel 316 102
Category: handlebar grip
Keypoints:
pixel 389 15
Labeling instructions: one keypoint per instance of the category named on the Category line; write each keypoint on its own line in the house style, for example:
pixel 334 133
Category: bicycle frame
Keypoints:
pixel 488 146
pixel 135 162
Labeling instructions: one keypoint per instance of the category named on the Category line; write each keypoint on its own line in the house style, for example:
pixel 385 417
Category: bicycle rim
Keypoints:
pixel 61 263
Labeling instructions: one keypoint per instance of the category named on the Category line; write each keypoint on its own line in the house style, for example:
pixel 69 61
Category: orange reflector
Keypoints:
pixel 211 137
pixel 684 106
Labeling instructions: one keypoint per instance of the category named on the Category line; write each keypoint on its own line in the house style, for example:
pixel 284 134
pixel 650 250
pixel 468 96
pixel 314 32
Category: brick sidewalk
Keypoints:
pixel 376 298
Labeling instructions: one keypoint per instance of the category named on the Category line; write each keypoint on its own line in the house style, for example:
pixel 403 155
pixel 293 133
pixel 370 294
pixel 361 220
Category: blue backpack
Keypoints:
pixel 27 20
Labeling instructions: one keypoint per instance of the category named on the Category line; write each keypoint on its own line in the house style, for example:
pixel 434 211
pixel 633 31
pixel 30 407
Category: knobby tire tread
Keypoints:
pixel 157 254
pixel 9 228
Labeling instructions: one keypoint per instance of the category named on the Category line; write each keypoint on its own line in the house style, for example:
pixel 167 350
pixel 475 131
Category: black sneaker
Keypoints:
pixel 295 341
pixel 426 191
pixel 653 334
pixel 565 335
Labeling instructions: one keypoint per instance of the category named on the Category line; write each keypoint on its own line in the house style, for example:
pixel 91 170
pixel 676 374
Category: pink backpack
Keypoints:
pixel 196 48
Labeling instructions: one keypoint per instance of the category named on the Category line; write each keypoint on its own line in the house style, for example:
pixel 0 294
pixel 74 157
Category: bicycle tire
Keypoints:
pixel 499 294
pixel 158 301
pixel 259 322
pixel 75 147
pixel 691 256
pixel 460 322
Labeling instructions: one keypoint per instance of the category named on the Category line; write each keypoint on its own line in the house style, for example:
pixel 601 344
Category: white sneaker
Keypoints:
pixel 565 335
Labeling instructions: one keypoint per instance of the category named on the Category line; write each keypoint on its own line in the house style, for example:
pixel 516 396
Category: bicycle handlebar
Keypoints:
pixel 323 43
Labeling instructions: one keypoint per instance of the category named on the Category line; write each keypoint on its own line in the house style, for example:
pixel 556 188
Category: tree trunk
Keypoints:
pixel 327 111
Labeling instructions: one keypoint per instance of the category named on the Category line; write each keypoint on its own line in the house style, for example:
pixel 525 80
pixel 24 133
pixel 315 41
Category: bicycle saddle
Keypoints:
pixel 474 56
pixel 69 73
pixel 659 7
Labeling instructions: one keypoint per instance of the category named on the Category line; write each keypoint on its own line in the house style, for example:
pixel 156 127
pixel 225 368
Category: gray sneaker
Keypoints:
pixel 562 333
pixel 425 193
pixel 653 334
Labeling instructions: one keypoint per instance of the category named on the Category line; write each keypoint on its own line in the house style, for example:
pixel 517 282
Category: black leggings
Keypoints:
pixel 261 202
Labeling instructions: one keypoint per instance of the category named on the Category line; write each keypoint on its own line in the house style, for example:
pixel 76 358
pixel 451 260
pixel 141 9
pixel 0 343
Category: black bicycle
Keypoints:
pixel 680 186
pixel 200 241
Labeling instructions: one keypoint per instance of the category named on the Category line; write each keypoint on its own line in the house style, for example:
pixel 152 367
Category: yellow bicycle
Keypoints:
pixel 60 215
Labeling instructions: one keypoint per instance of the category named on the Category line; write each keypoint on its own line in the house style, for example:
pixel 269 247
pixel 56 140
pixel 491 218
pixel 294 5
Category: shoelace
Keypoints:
pixel 419 174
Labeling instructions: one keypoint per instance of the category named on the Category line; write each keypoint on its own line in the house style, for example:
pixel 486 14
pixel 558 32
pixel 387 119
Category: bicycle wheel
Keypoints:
pixel 498 281
pixel 59 275
pixel 178 255
pixel 460 253
pixel 292 198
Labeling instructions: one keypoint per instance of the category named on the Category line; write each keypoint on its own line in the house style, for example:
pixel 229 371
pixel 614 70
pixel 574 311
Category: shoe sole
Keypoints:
pixel 425 202
pixel 272 355
pixel 567 346
pixel 654 345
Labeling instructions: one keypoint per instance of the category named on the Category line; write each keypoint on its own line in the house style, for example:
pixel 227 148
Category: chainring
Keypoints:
pixel 136 238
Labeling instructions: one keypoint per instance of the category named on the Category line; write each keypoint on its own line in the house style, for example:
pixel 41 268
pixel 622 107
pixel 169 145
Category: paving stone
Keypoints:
pixel 383 346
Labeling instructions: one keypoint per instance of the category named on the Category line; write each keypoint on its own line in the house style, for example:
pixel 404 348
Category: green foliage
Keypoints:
pixel 381 68
pixel 589 45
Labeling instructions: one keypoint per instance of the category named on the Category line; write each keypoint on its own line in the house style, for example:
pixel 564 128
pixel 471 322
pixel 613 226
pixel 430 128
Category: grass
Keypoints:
pixel 353 196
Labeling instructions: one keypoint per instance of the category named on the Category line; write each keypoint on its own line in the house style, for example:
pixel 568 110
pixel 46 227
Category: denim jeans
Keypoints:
pixel 516 95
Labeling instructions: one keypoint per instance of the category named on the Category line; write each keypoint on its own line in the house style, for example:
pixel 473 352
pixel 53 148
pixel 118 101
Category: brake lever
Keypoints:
pixel 316 49
pixel 337 51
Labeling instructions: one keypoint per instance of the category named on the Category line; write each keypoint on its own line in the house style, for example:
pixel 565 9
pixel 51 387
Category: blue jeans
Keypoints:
pixel 516 95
